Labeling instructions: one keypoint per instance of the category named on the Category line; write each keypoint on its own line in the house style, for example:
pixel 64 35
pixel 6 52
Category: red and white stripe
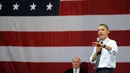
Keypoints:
pixel 47 44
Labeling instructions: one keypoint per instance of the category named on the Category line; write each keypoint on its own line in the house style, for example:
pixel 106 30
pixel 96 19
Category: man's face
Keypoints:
pixel 76 63
pixel 102 32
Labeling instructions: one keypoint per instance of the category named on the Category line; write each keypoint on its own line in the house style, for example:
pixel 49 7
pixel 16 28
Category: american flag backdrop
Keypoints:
pixel 42 36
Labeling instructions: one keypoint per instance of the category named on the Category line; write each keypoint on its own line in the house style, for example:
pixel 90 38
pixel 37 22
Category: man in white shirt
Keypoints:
pixel 104 53
pixel 76 66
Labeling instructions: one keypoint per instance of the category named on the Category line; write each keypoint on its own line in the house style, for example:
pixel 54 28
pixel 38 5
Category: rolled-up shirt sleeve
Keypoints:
pixel 93 62
pixel 114 47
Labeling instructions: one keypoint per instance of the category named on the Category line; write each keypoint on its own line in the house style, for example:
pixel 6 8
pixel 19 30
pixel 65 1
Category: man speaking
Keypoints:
pixel 104 52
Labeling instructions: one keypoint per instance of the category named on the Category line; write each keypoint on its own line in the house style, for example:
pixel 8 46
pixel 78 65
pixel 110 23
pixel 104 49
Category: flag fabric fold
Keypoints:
pixel 42 36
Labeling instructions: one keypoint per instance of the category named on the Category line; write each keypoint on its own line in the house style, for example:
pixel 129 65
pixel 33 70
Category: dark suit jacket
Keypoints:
pixel 71 71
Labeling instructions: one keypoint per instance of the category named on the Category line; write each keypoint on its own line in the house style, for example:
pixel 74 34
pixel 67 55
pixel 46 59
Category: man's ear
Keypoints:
pixel 108 32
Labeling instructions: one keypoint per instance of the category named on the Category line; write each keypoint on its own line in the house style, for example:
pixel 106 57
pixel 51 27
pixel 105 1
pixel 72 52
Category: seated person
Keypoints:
pixel 76 66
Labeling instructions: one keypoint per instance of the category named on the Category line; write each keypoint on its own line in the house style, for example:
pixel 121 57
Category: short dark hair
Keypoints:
pixel 104 26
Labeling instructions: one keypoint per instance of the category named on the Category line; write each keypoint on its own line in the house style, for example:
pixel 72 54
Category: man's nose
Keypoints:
pixel 100 31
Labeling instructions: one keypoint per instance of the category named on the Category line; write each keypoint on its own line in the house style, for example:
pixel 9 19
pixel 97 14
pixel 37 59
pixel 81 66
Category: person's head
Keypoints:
pixel 103 31
pixel 76 62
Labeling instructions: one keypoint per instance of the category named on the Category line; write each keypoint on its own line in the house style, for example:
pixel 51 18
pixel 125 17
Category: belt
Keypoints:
pixel 105 68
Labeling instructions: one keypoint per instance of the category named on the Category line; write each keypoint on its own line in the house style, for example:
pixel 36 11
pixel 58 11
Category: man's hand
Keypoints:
pixel 97 44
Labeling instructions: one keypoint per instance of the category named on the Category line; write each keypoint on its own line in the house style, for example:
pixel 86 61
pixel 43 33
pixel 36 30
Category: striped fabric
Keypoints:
pixel 43 40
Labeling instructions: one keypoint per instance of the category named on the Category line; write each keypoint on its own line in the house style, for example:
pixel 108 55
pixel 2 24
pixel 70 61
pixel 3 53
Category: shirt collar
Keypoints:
pixel 106 40
pixel 76 68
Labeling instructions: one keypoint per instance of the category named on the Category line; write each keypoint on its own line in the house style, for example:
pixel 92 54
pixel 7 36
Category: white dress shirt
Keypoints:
pixel 108 57
pixel 77 70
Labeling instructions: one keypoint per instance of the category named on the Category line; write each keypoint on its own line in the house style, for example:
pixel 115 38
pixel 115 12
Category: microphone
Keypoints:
pixel 99 41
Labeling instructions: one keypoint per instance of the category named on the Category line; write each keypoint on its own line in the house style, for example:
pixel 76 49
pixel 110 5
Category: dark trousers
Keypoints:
pixel 104 70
